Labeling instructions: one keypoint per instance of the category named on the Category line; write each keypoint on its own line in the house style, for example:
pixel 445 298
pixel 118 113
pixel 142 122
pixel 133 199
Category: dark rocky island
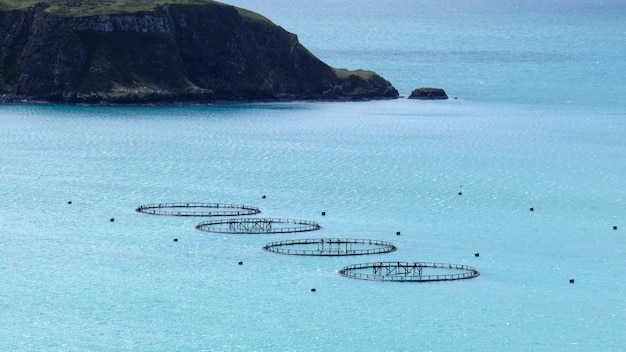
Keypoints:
pixel 428 93
pixel 159 52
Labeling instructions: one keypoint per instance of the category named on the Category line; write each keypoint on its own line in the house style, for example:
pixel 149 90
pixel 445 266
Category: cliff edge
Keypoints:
pixel 99 51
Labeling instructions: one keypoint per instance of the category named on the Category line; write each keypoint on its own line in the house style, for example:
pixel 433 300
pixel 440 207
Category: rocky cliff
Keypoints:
pixel 201 51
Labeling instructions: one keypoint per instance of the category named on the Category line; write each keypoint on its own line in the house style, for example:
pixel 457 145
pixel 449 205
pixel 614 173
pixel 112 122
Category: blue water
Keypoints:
pixel 540 121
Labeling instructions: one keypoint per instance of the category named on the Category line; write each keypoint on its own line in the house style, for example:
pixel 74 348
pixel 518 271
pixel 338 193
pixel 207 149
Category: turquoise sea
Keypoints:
pixel 540 122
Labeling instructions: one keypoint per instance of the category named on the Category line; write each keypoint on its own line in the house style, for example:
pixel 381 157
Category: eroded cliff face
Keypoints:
pixel 177 53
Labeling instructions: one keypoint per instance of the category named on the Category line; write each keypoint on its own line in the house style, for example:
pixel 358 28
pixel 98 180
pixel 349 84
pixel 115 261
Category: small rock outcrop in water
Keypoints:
pixel 428 93
pixel 131 52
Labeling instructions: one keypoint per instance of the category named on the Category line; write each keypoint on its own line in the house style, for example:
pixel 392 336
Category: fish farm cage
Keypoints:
pixel 409 271
pixel 257 226
pixel 197 209
pixel 330 247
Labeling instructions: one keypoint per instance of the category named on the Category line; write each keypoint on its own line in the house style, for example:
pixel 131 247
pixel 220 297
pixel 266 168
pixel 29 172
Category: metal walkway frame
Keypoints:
pixel 408 271
pixel 189 209
pixel 330 247
pixel 257 226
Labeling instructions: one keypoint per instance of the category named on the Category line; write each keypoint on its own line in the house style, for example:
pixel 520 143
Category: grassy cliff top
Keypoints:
pixel 81 8
pixel 343 73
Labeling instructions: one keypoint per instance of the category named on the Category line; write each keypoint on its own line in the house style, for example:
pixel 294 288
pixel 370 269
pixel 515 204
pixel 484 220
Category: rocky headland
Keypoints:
pixel 152 52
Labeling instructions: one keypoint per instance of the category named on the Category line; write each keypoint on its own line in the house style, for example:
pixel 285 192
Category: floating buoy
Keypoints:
pixel 397 233
pixel 176 240
pixel 532 209
pixel 323 213
pixel 571 281
pixel 614 227
pixel 313 290
pixel 112 219
pixel 476 254
pixel 240 263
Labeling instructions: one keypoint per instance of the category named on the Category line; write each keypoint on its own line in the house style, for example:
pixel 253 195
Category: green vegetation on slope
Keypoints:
pixel 84 8
pixel 81 8
pixel 343 73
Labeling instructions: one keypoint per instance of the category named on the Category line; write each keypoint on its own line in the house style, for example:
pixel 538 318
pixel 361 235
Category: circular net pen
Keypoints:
pixel 257 226
pixel 409 271
pixel 330 247
pixel 197 209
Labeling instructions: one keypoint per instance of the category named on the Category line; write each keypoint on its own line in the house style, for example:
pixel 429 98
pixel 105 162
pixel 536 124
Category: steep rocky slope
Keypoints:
pixel 186 51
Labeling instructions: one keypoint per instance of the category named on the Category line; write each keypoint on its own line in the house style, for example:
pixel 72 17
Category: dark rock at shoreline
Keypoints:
pixel 428 93
pixel 180 53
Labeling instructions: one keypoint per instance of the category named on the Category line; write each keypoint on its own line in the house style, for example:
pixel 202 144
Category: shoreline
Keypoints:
pixel 173 102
